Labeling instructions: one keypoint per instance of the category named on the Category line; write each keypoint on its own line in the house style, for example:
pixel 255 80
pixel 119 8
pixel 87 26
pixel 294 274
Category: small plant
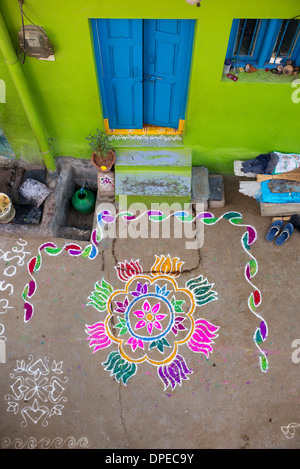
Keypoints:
pixel 103 156
pixel 99 143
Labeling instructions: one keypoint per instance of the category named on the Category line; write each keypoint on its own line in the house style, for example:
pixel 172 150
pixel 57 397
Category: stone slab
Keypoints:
pixel 217 192
pixel 216 187
pixel 250 188
pixel 33 192
pixel 237 167
pixel 200 184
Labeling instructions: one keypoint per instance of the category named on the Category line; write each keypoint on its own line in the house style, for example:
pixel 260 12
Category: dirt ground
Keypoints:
pixel 56 392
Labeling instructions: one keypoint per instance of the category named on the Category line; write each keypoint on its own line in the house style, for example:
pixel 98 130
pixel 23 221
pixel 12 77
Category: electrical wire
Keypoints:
pixel 24 14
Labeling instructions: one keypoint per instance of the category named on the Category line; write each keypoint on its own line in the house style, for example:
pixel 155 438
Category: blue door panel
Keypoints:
pixel 167 26
pixel 119 59
pixel 143 70
pixel 163 98
pixel 158 96
pixel 167 58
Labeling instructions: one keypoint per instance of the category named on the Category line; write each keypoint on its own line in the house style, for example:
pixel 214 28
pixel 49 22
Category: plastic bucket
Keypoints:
pixel 7 211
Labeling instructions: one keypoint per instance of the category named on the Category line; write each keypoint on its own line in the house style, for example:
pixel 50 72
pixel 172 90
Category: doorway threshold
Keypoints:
pixel 149 135
pixel 119 141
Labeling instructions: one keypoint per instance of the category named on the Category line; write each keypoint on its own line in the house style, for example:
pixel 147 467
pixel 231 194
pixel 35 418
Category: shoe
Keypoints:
pixel 274 229
pixel 285 234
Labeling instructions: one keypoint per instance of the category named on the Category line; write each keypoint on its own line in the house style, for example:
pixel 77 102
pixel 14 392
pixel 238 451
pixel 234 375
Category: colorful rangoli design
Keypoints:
pixel 91 251
pixel 150 318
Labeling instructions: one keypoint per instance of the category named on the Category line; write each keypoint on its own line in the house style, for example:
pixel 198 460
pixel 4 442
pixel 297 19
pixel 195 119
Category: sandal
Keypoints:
pixel 285 234
pixel 274 230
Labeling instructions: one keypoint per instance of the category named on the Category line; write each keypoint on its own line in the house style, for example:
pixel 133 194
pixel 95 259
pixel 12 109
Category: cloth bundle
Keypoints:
pixel 272 163
pixel 262 164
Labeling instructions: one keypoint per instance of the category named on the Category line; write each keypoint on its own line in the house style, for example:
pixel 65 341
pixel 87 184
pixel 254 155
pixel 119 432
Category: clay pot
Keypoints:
pixel 288 70
pixel 7 211
pixel 104 163
pixel 250 69
pixel 279 69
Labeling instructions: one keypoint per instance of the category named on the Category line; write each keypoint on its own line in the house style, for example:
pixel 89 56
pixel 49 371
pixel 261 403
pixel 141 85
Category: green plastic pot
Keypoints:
pixel 84 201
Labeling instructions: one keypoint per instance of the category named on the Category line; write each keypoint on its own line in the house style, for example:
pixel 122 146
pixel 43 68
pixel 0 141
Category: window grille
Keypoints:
pixel 264 43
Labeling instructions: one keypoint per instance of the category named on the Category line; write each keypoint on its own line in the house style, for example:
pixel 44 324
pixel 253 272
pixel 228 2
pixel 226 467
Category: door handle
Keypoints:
pixel 148 78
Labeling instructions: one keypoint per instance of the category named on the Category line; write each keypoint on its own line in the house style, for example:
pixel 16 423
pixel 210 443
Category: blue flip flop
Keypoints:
pixel 285 234
pixel 274 229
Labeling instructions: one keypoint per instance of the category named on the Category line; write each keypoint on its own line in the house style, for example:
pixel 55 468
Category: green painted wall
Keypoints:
pixel 225 120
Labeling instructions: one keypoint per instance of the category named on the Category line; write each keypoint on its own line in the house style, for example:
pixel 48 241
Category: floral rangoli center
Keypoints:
pixel 150 318
pixel 154 321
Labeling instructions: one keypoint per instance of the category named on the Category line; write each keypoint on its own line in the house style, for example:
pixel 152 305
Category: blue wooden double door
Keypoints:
pixel 143 69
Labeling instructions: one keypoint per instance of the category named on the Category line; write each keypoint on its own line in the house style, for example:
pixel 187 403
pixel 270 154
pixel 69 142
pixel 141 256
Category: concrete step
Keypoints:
pixel 153 176
pixel 159 158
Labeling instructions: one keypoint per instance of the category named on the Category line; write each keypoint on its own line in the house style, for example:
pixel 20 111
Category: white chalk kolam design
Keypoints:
pixel 37 390
pixel 289 431
pixel 12 258
pixel 45 443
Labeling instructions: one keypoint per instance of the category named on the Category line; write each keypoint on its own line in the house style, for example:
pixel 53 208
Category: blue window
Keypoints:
pixel 143 70
pixel 264 43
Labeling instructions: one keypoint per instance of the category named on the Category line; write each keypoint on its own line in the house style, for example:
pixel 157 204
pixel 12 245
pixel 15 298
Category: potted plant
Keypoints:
pixel 103 156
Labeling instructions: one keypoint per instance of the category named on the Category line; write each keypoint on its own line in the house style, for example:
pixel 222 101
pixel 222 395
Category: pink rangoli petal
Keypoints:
pixel 160 317
pixel 139 314
pixel 140 343
pixel 156 308
pixel 140 324
pixel 157 325
pixel 133 342
pixel 146 306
